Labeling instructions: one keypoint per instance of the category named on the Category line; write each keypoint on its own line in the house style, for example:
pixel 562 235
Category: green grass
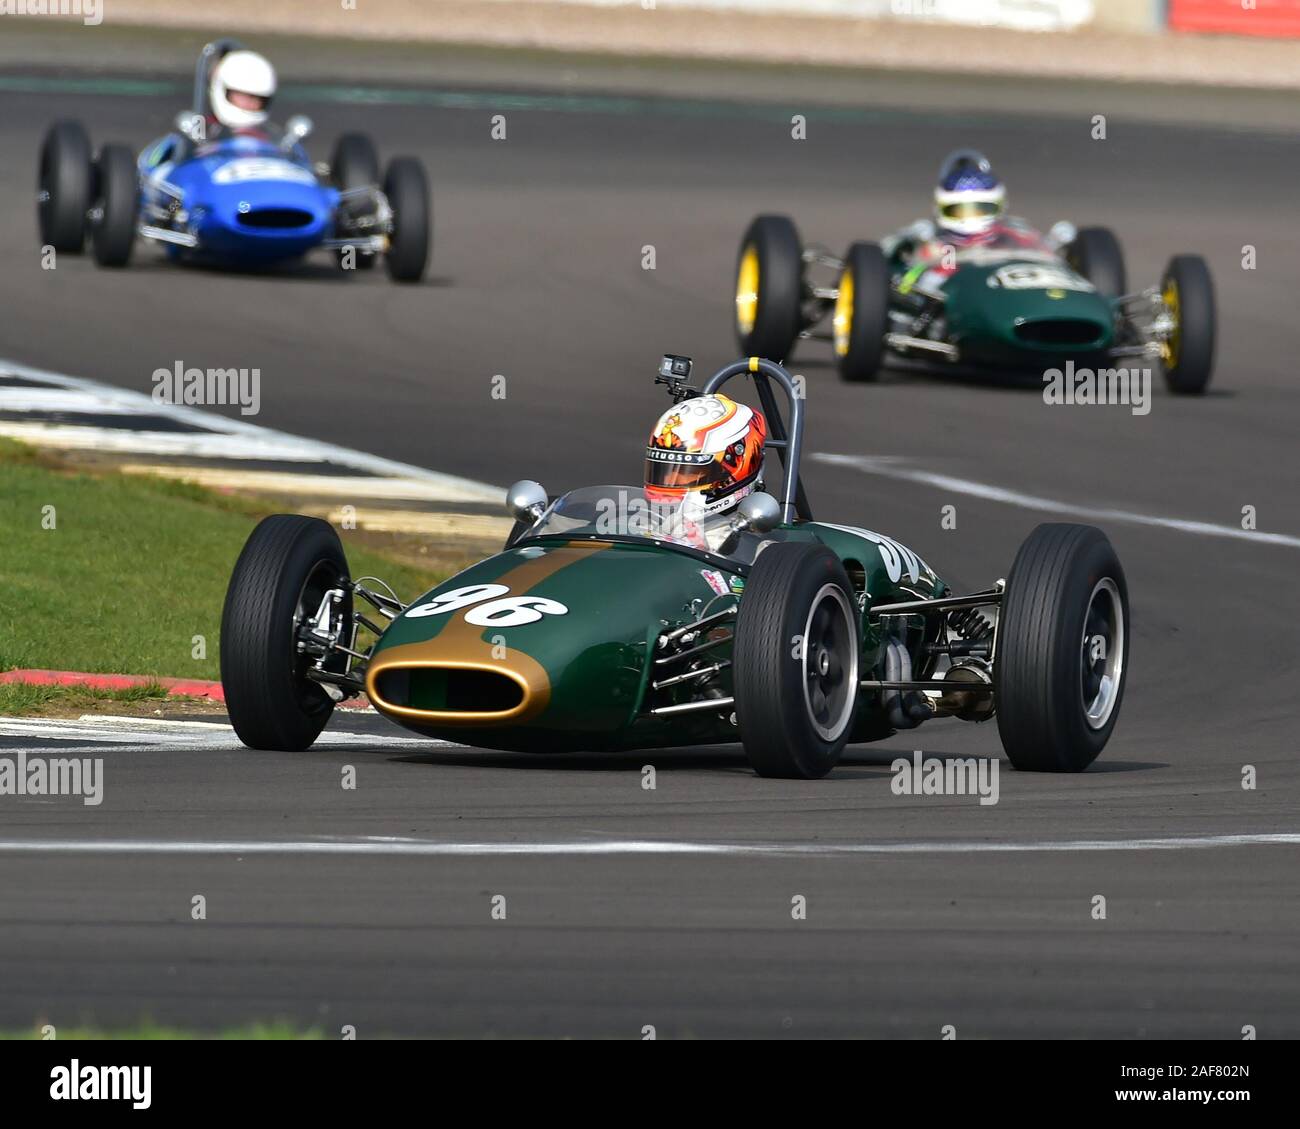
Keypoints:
pixel 153 1031
pixel 133 569
pixel 18 698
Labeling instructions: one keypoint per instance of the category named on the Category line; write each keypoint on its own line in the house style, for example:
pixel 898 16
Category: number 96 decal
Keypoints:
pixel 487 609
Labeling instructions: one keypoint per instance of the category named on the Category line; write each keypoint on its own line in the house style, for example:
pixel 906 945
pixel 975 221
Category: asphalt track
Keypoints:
pixel 537 276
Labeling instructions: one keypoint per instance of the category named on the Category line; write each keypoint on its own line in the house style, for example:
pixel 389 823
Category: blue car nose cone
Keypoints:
pixel 260 206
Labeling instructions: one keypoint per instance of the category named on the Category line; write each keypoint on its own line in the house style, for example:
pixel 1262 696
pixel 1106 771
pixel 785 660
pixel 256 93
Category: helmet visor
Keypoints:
pixel 970 210
pixel 242 100
pixel 681 471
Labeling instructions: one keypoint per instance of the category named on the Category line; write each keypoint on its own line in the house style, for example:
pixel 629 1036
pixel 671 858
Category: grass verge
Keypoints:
pixel 19 699
pixel 108 573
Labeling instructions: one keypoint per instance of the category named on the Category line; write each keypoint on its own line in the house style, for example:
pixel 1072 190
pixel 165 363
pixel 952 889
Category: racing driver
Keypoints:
pixel 705 454
pixel 970 203
pixel 240 91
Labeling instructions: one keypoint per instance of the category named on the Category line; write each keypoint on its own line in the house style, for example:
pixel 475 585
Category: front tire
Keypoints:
pixel 63 188
pixel 861 317
pixel 769 289
pixel 795 661
pixel 407 190
pixel 1188 294
pixel 287 565
pixel 354 162
pixel 1096 254
pixel 117 186
pixel 1062 649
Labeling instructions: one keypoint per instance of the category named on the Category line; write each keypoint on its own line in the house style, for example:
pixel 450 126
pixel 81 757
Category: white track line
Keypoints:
pixel 123 734
pixel 888 468
pixel 426 848
pixel 61 400
pixel 152 724
pixel 227 437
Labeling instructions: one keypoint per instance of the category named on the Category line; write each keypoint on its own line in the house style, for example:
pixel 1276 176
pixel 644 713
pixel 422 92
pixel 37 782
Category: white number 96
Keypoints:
pixel 510 612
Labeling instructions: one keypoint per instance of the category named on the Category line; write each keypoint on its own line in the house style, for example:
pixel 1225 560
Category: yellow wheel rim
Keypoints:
pixel 747 290
pixel 843 322
pixel 1169 349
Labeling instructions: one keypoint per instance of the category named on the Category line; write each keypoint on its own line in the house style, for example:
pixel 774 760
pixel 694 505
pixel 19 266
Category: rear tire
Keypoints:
pixel 1058 698
pixel 795 661
pixel 355 164
pixel 1188 294
pixel 769 289
pixel 64 187
pixel 1097 255
pixel 861 317
pixel 287 565
pixel 117 188
pixel 407 190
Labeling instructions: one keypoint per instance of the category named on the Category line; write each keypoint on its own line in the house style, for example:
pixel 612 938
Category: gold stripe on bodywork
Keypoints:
pixel 460 646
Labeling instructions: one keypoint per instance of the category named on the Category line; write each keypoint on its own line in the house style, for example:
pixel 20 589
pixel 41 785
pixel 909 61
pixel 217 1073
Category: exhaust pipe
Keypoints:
pixel 906 709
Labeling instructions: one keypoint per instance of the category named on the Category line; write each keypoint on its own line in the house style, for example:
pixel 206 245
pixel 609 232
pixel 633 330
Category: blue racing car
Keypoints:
pixel 229 188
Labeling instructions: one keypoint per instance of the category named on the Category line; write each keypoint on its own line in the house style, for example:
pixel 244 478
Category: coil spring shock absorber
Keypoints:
pixel 975 630
pixel 971 624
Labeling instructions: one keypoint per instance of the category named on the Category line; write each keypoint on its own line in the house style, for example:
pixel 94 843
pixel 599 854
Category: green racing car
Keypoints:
pixel 693 609
pixel 973 289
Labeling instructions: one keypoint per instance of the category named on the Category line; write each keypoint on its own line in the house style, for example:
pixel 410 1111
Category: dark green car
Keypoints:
pixel 1021 303
pixel 604 624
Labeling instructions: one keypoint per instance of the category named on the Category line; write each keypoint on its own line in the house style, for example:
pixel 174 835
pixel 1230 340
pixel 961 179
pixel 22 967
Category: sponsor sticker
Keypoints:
pixel 1038 276
pixel 262 168
pixel 714 580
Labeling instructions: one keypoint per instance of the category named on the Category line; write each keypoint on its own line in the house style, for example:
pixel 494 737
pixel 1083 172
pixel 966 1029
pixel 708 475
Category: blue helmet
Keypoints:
pixel 969 198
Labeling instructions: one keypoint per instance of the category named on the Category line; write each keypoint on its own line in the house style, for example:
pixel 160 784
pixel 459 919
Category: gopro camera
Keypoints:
pixel 675 368
pixel 675 371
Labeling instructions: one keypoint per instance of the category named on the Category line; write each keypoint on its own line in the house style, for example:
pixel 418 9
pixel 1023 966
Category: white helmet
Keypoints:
pixel 241 89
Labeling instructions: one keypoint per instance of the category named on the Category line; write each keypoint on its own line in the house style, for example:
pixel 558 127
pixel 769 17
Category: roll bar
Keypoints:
pixel 794 502
pixel 203 71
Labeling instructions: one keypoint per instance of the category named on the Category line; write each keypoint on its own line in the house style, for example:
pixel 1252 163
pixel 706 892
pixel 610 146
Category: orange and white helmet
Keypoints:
pixel 705 454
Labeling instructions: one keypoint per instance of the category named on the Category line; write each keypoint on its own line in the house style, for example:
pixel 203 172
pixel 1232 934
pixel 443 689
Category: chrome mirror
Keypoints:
pixel 527 500
pixel 296 128
pixel 1062 234
pixel 759 513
